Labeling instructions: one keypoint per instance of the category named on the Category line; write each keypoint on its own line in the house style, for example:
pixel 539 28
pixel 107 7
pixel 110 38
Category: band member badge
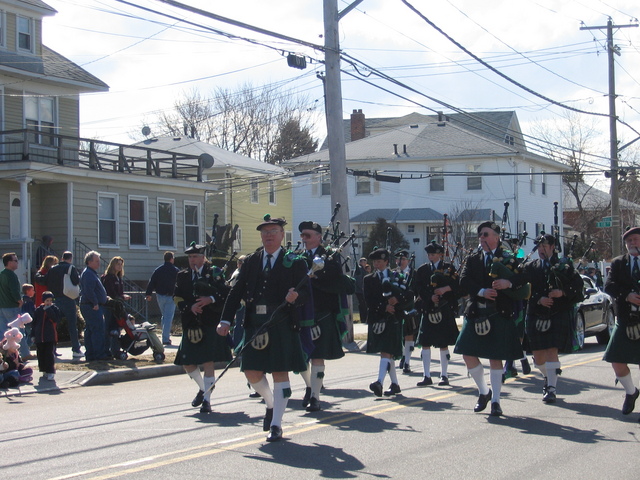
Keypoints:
pixel 261 309
pixel 261 341
pixel 315 332
pixel 378 327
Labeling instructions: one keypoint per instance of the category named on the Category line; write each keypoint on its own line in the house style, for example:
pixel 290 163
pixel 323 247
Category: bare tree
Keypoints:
pixel 464 217
pixel 247 121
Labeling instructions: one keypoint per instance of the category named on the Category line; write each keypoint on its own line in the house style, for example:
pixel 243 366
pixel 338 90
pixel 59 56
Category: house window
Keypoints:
pixel 539 229
pixel 237 243
pixel 544 182
pixel 253 187
pixel 411 228
pixel 272 192
pixel 363 186
pixel 436 181
pixel 3 29
pixel 25 33
pixel 39 115
pixel 288 237
pixel 474 182
pixel 509 139
pixel 325 184
pixel 191 222
pixel 532 180
pixel 137 221
pixel 166 221
pixel 107 219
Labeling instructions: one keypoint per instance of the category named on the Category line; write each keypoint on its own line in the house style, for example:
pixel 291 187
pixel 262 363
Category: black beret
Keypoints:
pixel 547 239
pixel 267 220
pixel 309 225
pixel 379 254
pixel 401 253
pixel 631 231
pixel 434 247
pixel 193 248
pixel 492 225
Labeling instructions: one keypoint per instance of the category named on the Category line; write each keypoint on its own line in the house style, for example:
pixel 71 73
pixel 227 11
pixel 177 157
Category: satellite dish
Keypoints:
pixel 146 131
pixel 205 160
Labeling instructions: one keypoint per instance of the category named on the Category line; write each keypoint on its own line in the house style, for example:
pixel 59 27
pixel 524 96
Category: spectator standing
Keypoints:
pixel 28 306
pixel 45 335
pixel 47 264
pixel 92 297
pixel 114 286
pixel 10 297
pixel 163 282
pixel 54 281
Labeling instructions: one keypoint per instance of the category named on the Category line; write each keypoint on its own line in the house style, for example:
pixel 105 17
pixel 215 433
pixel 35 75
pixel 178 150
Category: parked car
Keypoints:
pixel 596 314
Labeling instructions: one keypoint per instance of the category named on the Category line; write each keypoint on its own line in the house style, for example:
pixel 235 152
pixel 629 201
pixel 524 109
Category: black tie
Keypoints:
pixel 309 254
pixel 195 276
pixel 635 271
pixel 380 276
pixel 267 266
pixel 489 258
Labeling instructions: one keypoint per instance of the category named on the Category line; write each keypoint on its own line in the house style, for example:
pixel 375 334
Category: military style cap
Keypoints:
pixel 547 239
pixel 492 225
pixel 631 231
pixel 309 225
pixel 193 248
pixel 434 247
pixel 401 253
pixel 379 254
pixel 267 220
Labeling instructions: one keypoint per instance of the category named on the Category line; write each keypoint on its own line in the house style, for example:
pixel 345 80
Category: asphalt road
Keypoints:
pixel 147 429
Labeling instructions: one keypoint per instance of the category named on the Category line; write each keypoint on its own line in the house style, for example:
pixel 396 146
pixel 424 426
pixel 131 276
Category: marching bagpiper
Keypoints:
pixel 267 279
pixel 200 295
pixel 436 286
pixel 325 288
pixel 409 317
pixel 623 284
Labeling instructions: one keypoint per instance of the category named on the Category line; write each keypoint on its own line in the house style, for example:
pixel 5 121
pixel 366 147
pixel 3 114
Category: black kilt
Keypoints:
pixel 501 343
pixel 558 336
pixel 438 335
pixel 621 349
pixel 212 348
pixel 328 346
pixel 389 341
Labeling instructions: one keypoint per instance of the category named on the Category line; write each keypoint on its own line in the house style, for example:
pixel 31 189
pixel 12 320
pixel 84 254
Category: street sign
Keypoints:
pixel 606 219
pixel 603 224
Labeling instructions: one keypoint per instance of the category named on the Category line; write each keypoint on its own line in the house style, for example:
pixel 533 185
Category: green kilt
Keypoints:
pixel 389 340
pixel 501 343
pixel 438 335
pixel 283 352
pixel 212 348
pixel 328 345
pixel 557 336
pixel 621 349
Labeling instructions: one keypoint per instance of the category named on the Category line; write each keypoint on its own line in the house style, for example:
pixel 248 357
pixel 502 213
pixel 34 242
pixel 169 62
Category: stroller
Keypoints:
pixel 134 338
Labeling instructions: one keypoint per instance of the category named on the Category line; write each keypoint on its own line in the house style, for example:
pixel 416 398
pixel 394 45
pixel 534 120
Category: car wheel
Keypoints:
pixel 580 330
pixel 604 336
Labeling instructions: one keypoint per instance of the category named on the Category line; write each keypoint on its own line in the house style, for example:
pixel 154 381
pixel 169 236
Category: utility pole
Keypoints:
pixel 333 102
pixel 616 230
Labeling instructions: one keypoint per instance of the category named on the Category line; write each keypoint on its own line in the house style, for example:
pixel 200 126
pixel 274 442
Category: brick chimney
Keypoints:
pixel 357 125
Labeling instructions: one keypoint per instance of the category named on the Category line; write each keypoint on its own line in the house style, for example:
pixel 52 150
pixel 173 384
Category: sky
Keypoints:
pixel 150 61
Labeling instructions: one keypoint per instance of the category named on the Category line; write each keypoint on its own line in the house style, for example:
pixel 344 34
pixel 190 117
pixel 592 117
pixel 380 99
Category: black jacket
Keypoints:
pixel 619 284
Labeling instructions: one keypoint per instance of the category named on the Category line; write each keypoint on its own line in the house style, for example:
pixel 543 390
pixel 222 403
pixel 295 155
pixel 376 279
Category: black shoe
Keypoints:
pixel 206 407
pixel 167 343
pixel 526 368
pixel 549 395
pixel 314 405
pixel 306 398
pixel 444 381
pixel 394 389
pixel 496 410
pixel 198 400
pixel 426 381
pixel 266 422
pixel 406 370
pixel 376 388
pixel 254 395
pixel 275 434
pixel 401 363
pixel 630 402
pixel 482 402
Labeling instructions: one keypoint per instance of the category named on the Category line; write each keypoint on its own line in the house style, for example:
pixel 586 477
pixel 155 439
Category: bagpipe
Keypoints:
pixel 396 285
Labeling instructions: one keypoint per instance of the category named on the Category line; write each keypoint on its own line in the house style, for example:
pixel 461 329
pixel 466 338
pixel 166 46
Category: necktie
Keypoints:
pixel 489 257
pixel 309 254
pixel 380 276
pixel 267 266
pixel 195 275
pixel 635 271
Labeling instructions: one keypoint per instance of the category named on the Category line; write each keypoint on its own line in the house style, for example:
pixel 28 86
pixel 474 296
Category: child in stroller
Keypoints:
pixel 133 338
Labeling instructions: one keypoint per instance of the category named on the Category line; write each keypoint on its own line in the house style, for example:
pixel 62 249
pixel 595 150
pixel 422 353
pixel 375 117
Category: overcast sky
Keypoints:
pixel 149 60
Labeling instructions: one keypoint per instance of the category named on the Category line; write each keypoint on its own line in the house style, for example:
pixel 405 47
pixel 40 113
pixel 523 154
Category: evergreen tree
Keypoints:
pixel 378 238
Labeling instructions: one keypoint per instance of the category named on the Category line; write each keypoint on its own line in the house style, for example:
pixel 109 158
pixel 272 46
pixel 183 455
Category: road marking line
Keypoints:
pixel 300 427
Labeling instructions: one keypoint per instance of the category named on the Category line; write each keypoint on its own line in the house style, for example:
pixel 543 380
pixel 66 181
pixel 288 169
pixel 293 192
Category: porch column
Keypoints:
pixel 70 229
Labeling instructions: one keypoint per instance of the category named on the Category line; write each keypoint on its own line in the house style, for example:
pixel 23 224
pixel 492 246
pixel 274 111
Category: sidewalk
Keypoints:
pixel 87 377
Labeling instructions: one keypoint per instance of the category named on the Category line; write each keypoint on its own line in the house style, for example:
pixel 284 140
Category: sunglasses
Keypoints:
pixel 305 235
pixel 484 234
